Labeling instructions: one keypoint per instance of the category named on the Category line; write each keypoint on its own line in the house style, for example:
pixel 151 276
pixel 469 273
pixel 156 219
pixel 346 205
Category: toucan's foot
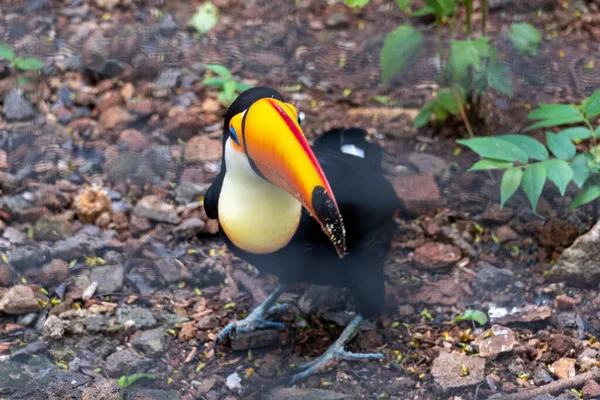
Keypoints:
pixel 256 319
pixel 336 352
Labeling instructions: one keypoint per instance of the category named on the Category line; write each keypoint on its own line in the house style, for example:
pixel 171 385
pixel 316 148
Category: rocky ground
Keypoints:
pixel 110 268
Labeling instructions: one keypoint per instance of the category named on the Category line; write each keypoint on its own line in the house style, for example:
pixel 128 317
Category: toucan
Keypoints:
pixel 322 215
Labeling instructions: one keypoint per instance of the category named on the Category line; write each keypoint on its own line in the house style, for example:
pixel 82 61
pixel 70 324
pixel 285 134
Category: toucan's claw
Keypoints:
pixel 256 319
pixel 336 352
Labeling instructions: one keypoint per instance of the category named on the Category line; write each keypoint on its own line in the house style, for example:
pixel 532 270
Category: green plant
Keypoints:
pixel 472 315
pixel 466 71
pixel 528 163
pixel 205 18
pixel 22 63
pixel 228 88
pixel 128 380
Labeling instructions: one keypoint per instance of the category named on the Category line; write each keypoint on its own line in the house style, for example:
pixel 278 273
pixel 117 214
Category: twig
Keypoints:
pixel 552 388
pixel 255 289
pixel 463 114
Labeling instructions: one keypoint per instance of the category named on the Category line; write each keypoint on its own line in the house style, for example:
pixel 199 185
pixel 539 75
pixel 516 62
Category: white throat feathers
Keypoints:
pixel 256 216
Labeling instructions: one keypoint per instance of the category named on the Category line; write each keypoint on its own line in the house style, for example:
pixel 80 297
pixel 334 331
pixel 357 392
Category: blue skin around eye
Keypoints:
pixel 234 135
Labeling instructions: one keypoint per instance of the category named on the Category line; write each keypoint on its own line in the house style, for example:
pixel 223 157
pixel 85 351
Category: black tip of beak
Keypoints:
pixel 330 219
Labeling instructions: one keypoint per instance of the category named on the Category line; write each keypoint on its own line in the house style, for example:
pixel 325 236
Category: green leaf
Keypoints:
pixel 216 82
pixel 497 76
pixel 126 381
pixel 400 48
pixel 29 64
pixel 423 117
pixel 242 87
pixel 487 164
pixel 205 18
pixel 560 173
pixel 497 149
pixel 576 133
pixel 533 182
pixel 356 3
pixel 6 53
pixel 442 7
pixel 560 146
pixel 553 111
pixel 591 105
pixel 555 122
pixel 220 70
pixel 473 315
pixel 590 192
pixel 465 53
pixel 403 4
pixel 423 11
pixel 447 100
pixel 510 183
pixel 526 38
pixel 534 149
pixel 580 169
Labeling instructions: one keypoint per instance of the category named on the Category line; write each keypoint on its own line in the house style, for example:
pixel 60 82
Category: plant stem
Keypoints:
pixel 438 23
pixel 483 17
pixel 469 7
pixel 591 128
pixel 463 114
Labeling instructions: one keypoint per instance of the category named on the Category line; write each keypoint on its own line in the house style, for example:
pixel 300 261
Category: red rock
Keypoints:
pixel 495 214
pixel 419 193
pixel 564 368
pixel 135 140
pixel 591 390
pixel 114 119
pixel 557 233
pixel 561 344
pixel 184 125
pixel 6 275
pixel 444 292
pixel 201 149
pixel 436 257
pixel 54 272
pixel 109 100
pixel 81 124
pixel 369 340
pixel 564 302
pixel 506 234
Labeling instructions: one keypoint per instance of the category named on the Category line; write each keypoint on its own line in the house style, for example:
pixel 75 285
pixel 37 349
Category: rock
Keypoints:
pixel 587 359
pixel 424 162
pixel 566 320
pixel 564 302
pixel 133 140
pixel 495 214
pixel 255 339
pixel 142 317
pixel 110 278
pixel 337 20
pixel 577 265
pixel 564 368
pixel 17 108
pixel 80 245
pixel 501 340
pixel 184 125
pixel 437 257
pixel 188 192
pixel 319 298
pixel 561 344
pixel 155 209
pixel 102 389
pixel 7 275
pixel 52 229
pixel 53 328
pixel 419 193
pixel 529 314
pixel 14 236
pixel 557 233
pixel 591 390
pixel 151 342
pixel 445 292
pixel 541 375
pixel 306 394
pixel 369 340
pixel 91 203
pixel 28 256
pixel 447 370
pixel 140 225
pixel 19 300
pixel 492 278
pixel 172 270
pixel 155 394
pixel 201 149
pixel 126 362
pixel 268 367
pixel 114 119
pixel 190 228
pixel 506 234
pixel 54 272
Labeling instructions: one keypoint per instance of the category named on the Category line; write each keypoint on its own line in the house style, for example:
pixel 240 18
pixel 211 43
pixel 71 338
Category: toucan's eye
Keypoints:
pixel 234 135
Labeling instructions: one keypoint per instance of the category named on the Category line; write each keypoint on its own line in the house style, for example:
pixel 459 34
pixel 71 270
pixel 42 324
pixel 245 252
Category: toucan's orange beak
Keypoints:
pixel 275 144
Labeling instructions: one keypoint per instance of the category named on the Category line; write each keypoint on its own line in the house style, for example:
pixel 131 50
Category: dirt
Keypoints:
pixel 107 153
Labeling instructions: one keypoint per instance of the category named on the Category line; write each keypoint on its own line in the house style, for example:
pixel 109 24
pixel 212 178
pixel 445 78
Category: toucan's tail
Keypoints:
pixel 352 141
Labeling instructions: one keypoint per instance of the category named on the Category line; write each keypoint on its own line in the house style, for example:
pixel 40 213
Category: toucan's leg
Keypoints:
pixel 337 352
pixel 255 319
